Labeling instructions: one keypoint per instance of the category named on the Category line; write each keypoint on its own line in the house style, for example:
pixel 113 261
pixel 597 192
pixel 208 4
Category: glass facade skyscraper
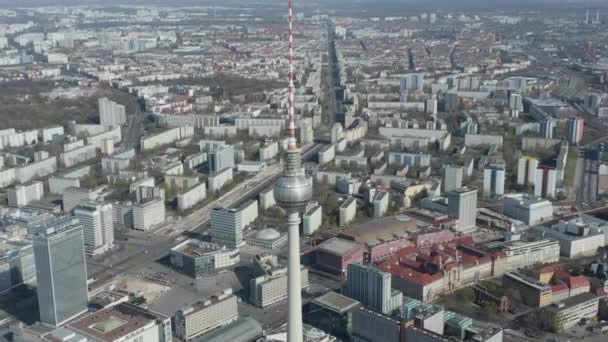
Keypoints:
pixel 61 271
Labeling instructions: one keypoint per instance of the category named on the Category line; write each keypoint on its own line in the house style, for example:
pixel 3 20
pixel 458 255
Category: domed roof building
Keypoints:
pixel 267 238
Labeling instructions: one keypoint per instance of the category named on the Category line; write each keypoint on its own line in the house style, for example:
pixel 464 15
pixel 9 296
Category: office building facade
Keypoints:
pixel 221 158
pixel 61 271
pixel 372 287
pixel 205 316
pixel 527 208
pixel 199 259
pixel 227 227
pixel 462 205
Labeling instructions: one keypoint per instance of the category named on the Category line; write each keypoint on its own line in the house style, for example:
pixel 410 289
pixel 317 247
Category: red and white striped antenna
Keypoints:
pixel 292 145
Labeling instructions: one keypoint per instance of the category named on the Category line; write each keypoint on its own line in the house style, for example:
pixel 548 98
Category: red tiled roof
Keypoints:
pixel 559 288
pixel 575 282
pixel 411 263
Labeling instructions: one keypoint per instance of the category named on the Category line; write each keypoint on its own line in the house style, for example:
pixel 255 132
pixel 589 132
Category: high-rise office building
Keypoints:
pixel 462 205
pixel 494 180
pixel 98 226
pixel 227 227
pixel 22 195
pixel 545 182
pixel 452 177
pixel 526 170
pixel 372 287
pixel 227 224
pixel 221 158
pixel 575 130
pixel 61 270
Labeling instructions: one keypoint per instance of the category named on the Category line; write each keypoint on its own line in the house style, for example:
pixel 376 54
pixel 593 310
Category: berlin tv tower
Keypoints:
pixel 292 192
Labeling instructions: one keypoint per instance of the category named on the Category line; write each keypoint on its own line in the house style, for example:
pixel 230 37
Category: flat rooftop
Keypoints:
pixel 116 322
pixel 336 302
pixel 578 299
pixel 339 246
pixel 244 328
pixel 196 249
pixel 207 303
pixel 385 228
pixel 529 281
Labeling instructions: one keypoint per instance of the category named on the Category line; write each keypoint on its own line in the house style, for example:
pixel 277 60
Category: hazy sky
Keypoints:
pixel 453 5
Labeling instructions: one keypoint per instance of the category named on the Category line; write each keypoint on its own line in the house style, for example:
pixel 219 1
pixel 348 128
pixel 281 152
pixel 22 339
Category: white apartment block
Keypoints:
pixel 482 139
pixel 312 219
pixel 245 123
pixel 217 181
pixel 49 133
pixel 494 180
pixel 266 199
pixel 347 211
pixel 58 184
pixel 166 137
pixel 526 170
pixel 327 154
pixel 545 182
pixel 148 214
pixel 73 197
pixel 191 197
pixel 111 113
pixel 269 151
pixel 380 203
pixel 27 172
pixel 72 143
pixel 22 195
pixel 118 161
pixel 205 316
pixel 249 212
pixel 78 155
pixel 11 138
pixel 99 140
pixel 98 226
